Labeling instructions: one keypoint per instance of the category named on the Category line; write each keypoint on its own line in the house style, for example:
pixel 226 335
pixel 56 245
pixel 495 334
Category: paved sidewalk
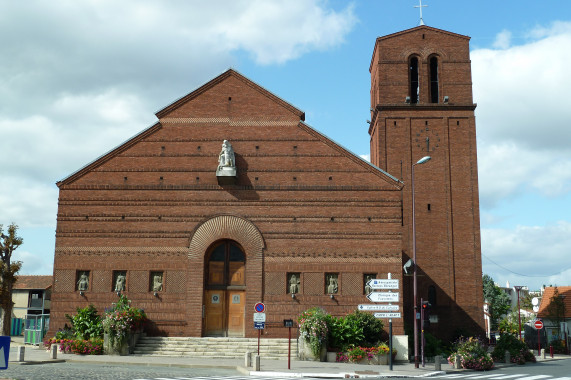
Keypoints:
pixel 268 368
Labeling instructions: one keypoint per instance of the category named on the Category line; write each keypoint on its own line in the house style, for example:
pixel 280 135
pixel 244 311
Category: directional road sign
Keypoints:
pixel 383 296
pixel 377 283
pixel 371 307
pixel 387 315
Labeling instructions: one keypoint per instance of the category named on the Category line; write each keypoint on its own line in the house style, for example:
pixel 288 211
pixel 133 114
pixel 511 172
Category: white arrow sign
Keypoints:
pixel 378 307
pixel 377 283
pixel 383 297
pixel 387 315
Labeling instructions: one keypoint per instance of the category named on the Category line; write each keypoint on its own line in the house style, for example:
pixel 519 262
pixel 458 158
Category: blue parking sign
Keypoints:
pixel 4 351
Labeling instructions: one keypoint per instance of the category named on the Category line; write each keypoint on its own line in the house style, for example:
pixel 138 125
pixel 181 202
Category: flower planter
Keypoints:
pixel 306 354
pixel 383 359
pixel 331 356
pixel 115 348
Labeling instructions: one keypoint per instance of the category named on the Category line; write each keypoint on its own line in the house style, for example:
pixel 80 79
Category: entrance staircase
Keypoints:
pixel 215 348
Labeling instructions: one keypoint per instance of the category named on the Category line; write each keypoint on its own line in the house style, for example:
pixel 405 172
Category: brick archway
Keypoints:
pixel 227 227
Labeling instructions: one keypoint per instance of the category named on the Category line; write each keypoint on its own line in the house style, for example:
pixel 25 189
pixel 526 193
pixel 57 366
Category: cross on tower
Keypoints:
pixel 420 6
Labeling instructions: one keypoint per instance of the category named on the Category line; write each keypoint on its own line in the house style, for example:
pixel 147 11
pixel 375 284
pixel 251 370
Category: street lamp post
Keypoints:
pixel 518 288
pixel 414 283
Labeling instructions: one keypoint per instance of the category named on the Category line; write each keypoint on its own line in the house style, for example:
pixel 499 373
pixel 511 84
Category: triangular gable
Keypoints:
pixel 109 155
pixel 212 83
pixel 353 157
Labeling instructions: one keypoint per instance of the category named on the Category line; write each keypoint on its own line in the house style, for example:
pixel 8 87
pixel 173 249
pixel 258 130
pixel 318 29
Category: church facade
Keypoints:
pixel 231 199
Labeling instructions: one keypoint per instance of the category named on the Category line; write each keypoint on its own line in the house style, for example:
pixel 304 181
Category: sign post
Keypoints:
pixel 259 320
pixel 289 324
pixel 538 326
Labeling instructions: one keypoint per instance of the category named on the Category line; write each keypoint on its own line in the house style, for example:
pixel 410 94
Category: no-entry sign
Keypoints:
pixel 538 324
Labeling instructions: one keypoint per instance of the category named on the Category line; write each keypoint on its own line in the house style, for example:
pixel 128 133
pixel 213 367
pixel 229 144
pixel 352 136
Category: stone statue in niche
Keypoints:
pixel 83 282
pixel 368 288
pixel 293 284
pixel 226 157
pixel 120 282
pixel 157 282
pixel 226 171
pixel 332 284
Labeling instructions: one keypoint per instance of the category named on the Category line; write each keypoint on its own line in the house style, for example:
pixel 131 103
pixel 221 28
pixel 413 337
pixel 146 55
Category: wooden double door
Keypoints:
pixel 224 290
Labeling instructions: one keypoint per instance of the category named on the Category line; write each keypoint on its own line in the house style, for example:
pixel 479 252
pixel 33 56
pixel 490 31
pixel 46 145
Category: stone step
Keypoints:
pixel 225 347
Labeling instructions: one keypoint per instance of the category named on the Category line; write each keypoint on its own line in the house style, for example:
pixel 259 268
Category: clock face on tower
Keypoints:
pixel 427 139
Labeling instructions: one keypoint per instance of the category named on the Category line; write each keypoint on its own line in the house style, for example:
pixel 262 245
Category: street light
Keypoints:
pixel 414 285
pixel 518 288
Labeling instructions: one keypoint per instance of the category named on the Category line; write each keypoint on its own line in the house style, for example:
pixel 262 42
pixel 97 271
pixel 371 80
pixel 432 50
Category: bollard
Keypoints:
pixel 257 363
pixel 21 353
pixel 53 351
pixel 248 359
pixel 551 351
pixel 437 366
pixel 458 362
pixel 543 353
pixel 507 357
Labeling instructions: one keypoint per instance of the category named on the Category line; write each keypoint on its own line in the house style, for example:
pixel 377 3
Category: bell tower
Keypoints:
pixel 421 105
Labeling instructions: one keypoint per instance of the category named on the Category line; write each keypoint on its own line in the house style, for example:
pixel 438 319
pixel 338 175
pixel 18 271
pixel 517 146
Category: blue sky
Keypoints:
pixel 79 78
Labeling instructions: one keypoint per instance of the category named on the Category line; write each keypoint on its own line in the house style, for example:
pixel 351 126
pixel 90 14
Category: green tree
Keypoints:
pixel 9 241
pixel 525 302
pixel 498 300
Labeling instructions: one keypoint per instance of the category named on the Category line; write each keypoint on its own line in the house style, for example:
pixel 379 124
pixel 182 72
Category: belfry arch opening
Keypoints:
pixel 433 75
pixel 414 89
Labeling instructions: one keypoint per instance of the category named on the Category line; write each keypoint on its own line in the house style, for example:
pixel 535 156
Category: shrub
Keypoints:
pixel 473 354
pixel 343 332
pixel 313 326
pixel 372 328
pixel 86 324
pixel 519 353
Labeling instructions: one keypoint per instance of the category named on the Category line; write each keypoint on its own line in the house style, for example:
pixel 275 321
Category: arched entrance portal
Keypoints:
pixel 224 289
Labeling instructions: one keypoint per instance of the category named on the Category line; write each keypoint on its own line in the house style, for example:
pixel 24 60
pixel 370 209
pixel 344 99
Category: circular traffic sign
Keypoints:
pixel 538 324
pixel 260 307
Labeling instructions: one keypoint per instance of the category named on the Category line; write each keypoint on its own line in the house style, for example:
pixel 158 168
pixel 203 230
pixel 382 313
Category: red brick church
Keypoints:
pixel 230 199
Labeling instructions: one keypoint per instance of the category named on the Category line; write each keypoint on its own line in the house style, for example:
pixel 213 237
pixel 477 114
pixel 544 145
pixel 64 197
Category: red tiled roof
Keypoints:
pixel 546 299
pixel 33 282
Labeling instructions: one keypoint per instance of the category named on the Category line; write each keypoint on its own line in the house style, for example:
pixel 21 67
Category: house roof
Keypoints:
pixel 546 299
pixel 33 282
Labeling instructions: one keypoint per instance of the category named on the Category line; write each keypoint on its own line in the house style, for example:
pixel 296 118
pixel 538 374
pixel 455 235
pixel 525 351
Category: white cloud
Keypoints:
pixel 541 253
pixel 34 264
pixel 84 76
pixel 503 40
pixel 523 115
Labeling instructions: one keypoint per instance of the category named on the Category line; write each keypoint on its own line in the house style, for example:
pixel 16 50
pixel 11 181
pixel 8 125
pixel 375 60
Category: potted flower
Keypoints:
pixel 383 353
pixel 358 355
pixel 313 330
pixel 119 325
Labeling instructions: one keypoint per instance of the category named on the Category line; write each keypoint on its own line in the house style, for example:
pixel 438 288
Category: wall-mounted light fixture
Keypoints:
pixel 81 293
pixel 293 296
pixel 156 294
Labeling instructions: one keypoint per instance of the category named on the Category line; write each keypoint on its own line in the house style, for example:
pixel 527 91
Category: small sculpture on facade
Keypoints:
pixel 120 282
pixel 332 284
pixel 157 283
pixel 293 284
pixel 226 158
pixel 226 170
pixel 368 288
pixel 83 282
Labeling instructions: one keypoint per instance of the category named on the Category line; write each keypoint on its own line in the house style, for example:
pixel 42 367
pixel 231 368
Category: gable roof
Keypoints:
pixel 33 282
pixel 358 159
pixel 546 300
pixel 213 82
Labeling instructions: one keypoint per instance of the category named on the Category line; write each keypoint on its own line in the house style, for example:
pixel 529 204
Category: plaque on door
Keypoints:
pixel 215 298
pixel 236 298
